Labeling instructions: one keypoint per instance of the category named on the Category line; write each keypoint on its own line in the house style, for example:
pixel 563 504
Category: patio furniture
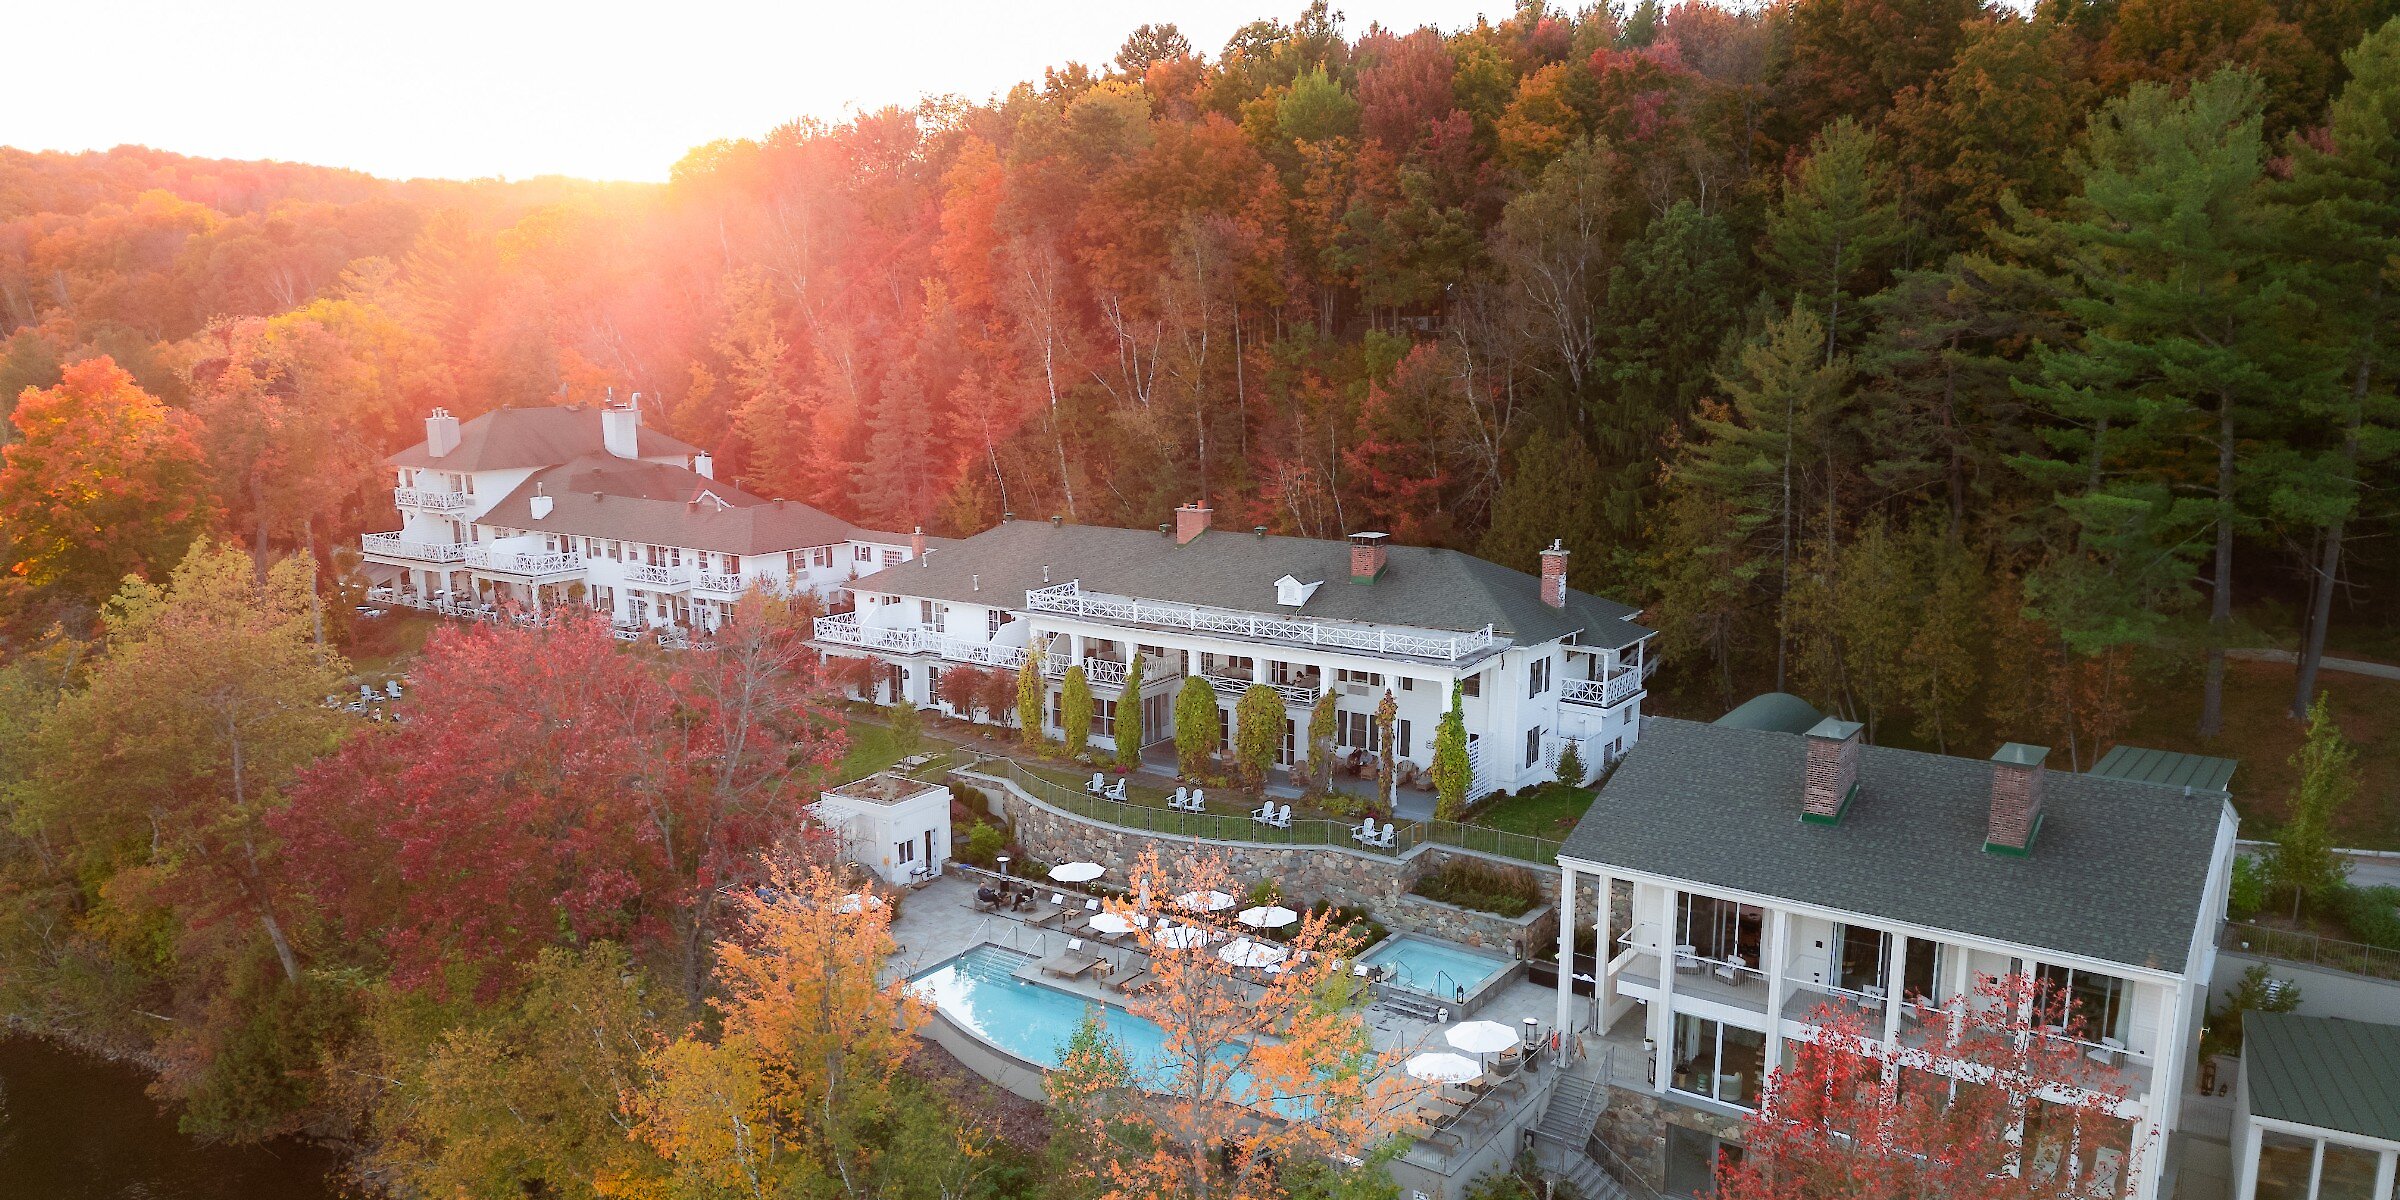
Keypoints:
pixel 1265 813
pixel 1282 819
pixel 1729 970
pixel 1687 960
pixel 1364 835
pixel 1390 834
pixel 2109 1053
pixel 1096 786
pixel 1182 797
pixel 391 688
pixel 1117 793
pixel 1129 984
pixel 1870 998
pixel 1072 963
pixel 1199 800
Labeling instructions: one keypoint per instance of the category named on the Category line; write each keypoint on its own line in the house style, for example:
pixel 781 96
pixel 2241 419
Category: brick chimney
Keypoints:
pixel 441 433
pixel 916 543
pixel 1832 777
pixel 1554 574
pixel 1368 556
pixel 1191 520
pixel 620 426
pixel 2017 771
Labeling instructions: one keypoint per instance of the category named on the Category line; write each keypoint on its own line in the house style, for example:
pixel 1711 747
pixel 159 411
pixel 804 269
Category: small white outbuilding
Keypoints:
pixel 894 826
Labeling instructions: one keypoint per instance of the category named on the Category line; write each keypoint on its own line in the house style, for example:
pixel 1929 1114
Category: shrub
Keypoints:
pixel 1473 885
pixel 2249 891
pixel 2224 1031
pixel 983 845
pixel 1075 710
pixel 1352 916
pixel 1129 717
pixel 971 796
pixel 1195 725
pixel 2372 914
pixel 1032 690
pixel 1257 732
pixel 1570 765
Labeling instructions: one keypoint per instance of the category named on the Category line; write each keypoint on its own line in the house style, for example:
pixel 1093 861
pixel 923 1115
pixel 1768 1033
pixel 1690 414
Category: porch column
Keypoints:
pixel 1566 954
pixel 1894 973
pixel 1604 985
pixel 1258 668
pixel 1662 1014
pixel 1774 958
pixel 1074 649
pixel 1961 975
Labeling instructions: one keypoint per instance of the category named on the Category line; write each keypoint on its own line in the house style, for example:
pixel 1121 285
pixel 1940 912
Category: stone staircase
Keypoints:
pixel 1565 1126
pixel 1412 1005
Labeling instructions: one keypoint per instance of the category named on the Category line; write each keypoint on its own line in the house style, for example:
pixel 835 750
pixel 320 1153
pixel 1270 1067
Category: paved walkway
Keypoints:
pixel 2347 666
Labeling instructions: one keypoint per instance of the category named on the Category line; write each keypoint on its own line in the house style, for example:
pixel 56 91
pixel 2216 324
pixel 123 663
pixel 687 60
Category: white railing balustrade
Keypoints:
pixel 1603 693
pixel 1230 687
pixel 843 629
pixel 430 500
pixel 728 584
pixel 657 576
pixel 522 562
pixel 393 545
pixel 1068 599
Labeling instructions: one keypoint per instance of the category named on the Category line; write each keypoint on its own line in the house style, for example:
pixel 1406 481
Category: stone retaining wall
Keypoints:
pixel 1635 1126
pixel 1510 936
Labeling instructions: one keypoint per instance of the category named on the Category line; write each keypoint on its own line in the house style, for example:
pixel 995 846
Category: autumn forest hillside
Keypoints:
pixel 1964 370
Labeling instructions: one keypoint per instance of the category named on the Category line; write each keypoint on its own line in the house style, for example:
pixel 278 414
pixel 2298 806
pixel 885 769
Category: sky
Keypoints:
pixel 515 88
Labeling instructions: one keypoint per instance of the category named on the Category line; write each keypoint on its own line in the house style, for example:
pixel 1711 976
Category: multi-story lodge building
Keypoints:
pixel 535 507
pixel 1539 664
pixel 1749 881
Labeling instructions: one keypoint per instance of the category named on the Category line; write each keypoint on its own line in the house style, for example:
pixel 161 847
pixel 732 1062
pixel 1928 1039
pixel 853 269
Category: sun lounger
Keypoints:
pixel 1073 963
pixel 1043 913
pixel 1132 983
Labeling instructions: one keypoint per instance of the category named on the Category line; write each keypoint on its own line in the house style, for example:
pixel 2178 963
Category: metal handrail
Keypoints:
pixel 2317 950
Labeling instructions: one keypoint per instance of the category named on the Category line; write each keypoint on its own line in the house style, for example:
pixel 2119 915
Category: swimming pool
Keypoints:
pixel 1434 968
pixel 979 991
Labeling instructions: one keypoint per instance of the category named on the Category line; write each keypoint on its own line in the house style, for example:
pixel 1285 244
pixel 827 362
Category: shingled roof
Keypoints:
pixel 624 499
pixel 1421 587
pixel 2324 1072
pixel 2119 872
pixel 515 438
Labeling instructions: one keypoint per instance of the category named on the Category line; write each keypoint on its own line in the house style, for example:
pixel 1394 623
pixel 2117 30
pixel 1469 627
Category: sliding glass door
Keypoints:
pixel 1725 1063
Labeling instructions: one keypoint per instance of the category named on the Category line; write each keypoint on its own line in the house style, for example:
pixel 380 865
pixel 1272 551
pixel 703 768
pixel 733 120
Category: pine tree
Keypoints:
pixel 1075 710
pixel 1130 733
pixel 2170 276
pixel 2344 232
pixel 1833 227
pixel 1032 690
pixel 1672 300
pixel 1452 773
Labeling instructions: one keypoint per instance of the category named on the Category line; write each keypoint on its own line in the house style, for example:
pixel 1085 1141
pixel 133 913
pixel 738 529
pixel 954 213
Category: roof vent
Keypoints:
pixel 1057 521
pixel 1259 530
pixel 975 583
pixel 1045 573
pixel 1006 517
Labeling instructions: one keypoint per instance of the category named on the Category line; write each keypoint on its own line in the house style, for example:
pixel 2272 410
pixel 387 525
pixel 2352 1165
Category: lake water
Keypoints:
pixel 79 1128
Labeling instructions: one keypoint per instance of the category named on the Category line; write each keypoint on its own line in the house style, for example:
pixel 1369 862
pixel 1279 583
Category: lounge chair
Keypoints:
pixel 1183 796
pixel 1128 984
pixel 1364 835
pixel 1073 963
pixel 1265 813
pixel 391 688
pixel 1282 819
pixel 1117 793
pixel 1390 834
pixel 1097 785
pixel 1199 800
pixel 1043 913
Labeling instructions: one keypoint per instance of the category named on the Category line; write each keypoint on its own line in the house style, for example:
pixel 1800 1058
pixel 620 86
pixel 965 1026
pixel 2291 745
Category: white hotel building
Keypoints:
pixel 1540 664
pixel 535 507
pixel 1750 876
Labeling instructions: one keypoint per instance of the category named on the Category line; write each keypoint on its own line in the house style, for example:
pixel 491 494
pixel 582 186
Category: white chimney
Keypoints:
pixel 704 466
pixel 441 433
pixel 619 424
pixel 540 504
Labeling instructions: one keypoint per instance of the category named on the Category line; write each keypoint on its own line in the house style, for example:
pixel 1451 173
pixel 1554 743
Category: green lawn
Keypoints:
pixel 1548 811
pixel 385 646
pixel 873 748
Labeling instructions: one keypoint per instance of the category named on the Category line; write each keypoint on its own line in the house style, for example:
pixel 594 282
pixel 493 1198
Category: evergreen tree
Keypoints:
pixel 1937 413
pixel 1032 690
pixel 1257 732
pixel 2303 862
pixel 2168 395
pixel 1554 492
pixel 1075 710
pixel 1833 227
pixel 1452 773
pixel 1195 726
pixel 2344 233
pixel 1672 300
pixel 1130 733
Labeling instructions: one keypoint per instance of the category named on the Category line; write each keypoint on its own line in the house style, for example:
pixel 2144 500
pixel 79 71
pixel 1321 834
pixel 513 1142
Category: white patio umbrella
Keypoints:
pixel 1180 937
pixel 1243 952
pixel 1211 901
pixel 1443 1067
pixel 1077 872
pixel 1480 1037
pixel 1267 918
pixel 1109 922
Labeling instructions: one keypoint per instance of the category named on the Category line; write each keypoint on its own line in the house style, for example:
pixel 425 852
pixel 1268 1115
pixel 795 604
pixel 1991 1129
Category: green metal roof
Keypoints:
pixel 1773 712
pixel 2198 772
pixel 2323 1072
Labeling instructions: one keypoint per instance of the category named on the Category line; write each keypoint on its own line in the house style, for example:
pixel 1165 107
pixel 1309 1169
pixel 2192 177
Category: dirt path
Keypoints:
pixel 2348 666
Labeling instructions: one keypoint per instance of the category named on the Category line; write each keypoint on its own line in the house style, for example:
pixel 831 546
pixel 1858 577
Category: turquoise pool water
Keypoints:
pixel 1435 968
pixel 980 991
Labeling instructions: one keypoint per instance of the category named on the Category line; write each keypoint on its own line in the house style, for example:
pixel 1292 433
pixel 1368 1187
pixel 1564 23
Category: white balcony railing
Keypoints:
pixel 523 562
pixel 392 545
pixel 1068 599
pixel 1229 687
pixel 1603 693
pixel 657 576
pixel 730 585
pixel 843 629
pixel 432 501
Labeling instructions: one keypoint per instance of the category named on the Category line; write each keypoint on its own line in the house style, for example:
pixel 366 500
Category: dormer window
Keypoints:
pixel 1291 593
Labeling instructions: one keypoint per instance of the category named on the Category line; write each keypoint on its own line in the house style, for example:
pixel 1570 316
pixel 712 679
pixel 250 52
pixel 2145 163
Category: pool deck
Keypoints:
pixel 938 921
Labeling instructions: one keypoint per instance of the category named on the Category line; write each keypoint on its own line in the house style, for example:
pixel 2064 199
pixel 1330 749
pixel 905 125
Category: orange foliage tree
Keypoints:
pixel 1261 1069
pixel 106 483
